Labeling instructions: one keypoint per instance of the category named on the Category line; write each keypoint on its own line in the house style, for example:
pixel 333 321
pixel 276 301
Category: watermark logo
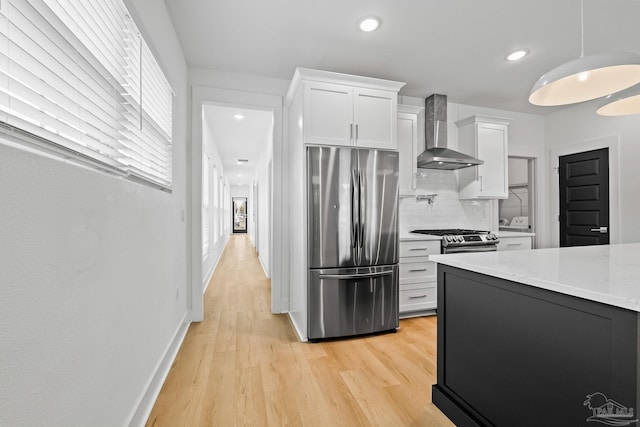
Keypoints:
pixel 608 411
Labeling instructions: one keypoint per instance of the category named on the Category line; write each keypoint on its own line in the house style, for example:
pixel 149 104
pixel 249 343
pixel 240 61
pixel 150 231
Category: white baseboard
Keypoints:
pixel 209 275
pixel 150 395
pixel 266 272
pixel 301 336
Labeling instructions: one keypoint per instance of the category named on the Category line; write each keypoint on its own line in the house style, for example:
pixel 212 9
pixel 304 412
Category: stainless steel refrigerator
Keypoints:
pixel 353 241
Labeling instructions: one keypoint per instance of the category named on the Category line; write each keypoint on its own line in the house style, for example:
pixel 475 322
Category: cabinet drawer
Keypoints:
pixel 417 271
pixel 514 243
pixel 417 299
pixel 419 248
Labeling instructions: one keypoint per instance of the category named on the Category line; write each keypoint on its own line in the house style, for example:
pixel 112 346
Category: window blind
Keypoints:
pixel 79 75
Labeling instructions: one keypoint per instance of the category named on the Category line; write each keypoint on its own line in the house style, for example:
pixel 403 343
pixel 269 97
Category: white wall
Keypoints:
pixel 264 177
pixel 93 276
pixel 577 128
pixel 297 242
pixel 218 227
pixel 238 190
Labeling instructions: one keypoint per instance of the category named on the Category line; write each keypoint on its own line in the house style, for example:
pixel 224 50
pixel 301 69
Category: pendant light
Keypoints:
pixel 588 77
pixel 622 103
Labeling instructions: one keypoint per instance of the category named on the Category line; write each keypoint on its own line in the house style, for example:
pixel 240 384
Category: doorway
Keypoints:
pixel 239 214
pixel 584 198
pixel 518 211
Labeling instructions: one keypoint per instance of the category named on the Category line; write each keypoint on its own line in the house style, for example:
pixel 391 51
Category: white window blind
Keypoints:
pixel 79 75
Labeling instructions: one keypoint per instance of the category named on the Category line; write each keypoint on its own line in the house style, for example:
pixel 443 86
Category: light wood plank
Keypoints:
pixel 244 366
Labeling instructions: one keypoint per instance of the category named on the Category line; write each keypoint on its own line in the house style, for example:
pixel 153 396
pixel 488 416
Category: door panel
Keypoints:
pixel 352 306
pixel 379 207
pixel 492 149
pixel 331 206
pixel 328 112
pixel 584 198
pixel 375 113
pixel 407 149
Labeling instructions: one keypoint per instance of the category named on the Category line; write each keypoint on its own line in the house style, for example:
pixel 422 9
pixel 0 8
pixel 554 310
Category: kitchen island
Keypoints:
pixel 539 337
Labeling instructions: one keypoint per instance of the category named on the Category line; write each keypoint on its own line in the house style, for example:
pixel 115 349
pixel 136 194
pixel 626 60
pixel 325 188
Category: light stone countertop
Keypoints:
pixel 609 274
pixel 407 236
pixel 504 233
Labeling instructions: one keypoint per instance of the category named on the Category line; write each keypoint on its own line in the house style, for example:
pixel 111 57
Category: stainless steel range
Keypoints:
pixel 456 240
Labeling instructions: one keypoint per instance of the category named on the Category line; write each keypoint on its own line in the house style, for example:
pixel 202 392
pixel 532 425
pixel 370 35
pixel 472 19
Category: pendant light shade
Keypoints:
pixel 588 77
pixel 622 103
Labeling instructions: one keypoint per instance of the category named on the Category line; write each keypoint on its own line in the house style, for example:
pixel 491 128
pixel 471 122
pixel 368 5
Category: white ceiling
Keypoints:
pixel 452 47
pixel 239 139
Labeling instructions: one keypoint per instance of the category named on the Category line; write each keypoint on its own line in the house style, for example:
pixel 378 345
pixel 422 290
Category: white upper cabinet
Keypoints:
pixel 328 114
pixel 485 138
pixel 410 129
pixel 374 116
pixel 340 109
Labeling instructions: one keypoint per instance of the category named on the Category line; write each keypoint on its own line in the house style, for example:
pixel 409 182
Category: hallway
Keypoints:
pixel 244 366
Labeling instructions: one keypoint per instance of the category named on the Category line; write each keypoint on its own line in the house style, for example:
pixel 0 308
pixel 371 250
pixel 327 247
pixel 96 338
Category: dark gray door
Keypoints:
pixel 584 198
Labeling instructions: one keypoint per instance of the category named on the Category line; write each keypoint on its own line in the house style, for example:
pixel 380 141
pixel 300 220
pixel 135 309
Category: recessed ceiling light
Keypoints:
pixel 517 55
pixel 369 23
pixel 238 116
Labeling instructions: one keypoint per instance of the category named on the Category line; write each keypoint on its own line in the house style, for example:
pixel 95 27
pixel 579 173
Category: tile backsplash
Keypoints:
pixel 446 211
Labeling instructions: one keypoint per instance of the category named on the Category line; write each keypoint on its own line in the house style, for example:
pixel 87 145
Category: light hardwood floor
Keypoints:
pixel 243 366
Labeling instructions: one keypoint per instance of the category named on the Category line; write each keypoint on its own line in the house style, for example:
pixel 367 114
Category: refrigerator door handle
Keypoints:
pixel 360 208
pixel 354 216
pixel 355 276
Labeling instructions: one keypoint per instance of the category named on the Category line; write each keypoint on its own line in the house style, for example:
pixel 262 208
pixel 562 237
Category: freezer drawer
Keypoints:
pixel 352 301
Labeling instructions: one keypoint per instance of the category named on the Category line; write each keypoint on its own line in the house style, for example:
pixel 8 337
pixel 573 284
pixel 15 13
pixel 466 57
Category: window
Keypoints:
pixel 78 75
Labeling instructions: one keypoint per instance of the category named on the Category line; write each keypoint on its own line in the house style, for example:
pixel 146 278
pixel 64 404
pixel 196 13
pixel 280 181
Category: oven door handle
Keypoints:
pixel 468 249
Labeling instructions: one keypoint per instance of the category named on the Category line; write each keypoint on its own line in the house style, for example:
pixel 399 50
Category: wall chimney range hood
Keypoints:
pixel 437 155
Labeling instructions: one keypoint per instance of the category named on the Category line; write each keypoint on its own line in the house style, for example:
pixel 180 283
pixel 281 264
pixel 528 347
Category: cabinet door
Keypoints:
pixel 328 114
pixel 375 117
pixel 514 243
pixel 407 148
pixel 492 148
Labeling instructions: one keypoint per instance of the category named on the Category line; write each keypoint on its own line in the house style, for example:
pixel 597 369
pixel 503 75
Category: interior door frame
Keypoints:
pixel 536 218
pixel 201 95
pixel 611 142
pixel 246 215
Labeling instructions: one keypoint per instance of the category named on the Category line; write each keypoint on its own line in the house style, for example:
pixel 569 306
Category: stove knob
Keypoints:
pixel 460 239
pixel 447 238
pixel 493 237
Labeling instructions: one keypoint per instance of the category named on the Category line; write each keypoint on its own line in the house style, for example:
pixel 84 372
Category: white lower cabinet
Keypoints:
pixel 416 298
pixel 514 243
pixel 418 278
